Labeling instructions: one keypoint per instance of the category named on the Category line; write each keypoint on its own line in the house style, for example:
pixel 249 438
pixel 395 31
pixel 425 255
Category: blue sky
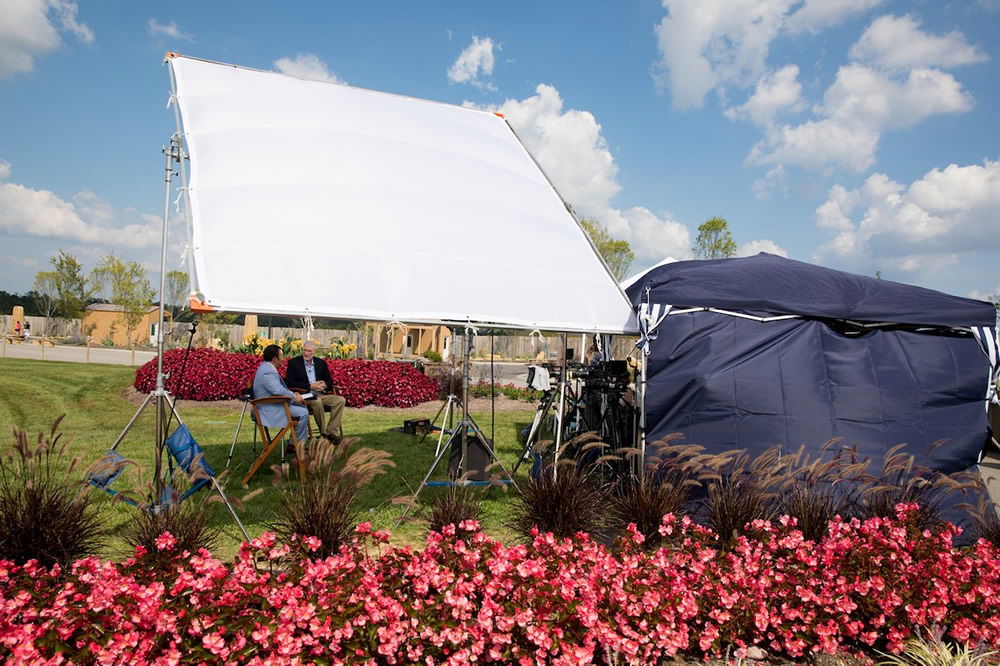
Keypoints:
pixel 857 134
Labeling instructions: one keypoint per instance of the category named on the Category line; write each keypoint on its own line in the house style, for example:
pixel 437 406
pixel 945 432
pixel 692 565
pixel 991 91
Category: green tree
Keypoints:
pixel 45 294
pixel 73 290
pixel 127 285
pixel 617 254
pixel 177 291
pixel 714 240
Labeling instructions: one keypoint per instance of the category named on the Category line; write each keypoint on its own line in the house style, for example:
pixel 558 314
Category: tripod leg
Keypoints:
pixel 135 417
pixel 447 418
pixel 239 424
pixel 229 505
pixel 447 403
pixel 536 427
pixel 427 476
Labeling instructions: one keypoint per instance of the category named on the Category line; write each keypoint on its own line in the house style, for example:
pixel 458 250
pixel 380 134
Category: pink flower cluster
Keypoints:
pixel 468 598
pixel 211 374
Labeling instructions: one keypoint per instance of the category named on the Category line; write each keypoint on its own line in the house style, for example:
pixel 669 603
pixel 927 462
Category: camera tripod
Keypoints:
pixel 465 433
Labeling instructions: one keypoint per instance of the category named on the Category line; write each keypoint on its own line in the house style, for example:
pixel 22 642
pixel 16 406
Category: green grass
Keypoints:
pixel 34 393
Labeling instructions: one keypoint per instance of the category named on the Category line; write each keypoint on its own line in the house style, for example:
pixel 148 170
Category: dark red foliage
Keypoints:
pixel 216 375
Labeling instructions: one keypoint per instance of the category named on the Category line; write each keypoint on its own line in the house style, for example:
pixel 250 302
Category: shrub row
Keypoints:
pixel 468 598
pixel 210 374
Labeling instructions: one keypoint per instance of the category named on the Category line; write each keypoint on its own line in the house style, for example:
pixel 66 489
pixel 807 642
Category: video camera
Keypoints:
pixel 604 375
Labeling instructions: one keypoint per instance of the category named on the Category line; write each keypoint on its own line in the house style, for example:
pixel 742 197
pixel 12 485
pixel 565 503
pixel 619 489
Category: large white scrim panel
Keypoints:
pixel 321 198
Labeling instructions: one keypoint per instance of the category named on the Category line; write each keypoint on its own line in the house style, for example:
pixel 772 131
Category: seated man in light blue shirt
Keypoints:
pixel 267 382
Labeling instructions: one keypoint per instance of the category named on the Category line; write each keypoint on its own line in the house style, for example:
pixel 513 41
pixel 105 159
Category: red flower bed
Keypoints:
pixel 467 598
pixel 211 374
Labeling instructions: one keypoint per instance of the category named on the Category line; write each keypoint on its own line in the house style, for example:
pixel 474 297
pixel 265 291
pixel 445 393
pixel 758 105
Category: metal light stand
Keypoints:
pixel 449 408
pixel 461 430
pixel 159 397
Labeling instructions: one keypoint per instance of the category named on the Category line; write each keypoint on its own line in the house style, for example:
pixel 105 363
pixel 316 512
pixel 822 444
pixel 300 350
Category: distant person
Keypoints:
pixel 17 328
pixel 27 328
pixel 307 373
pixel 267 382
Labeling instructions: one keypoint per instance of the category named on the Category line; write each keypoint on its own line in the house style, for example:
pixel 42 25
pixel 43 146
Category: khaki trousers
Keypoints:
pixel 317 407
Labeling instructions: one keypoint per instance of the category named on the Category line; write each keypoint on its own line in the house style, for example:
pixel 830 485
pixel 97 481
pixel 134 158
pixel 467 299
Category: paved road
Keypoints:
pixel 33 350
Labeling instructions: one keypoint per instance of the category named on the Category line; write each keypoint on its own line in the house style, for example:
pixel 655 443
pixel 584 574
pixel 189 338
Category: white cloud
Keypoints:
pixel 775 92
pixel 816 15
pixel 307 66
pixel 171 30
pixel 569 146
pixel 21 262
pixel 989 295
pixel 28 29
pixel 28 212
pixel 4 169
pixel 898 43
pixel 753 247
pixel 708 43
pixel 927 224
pixel 775 180
pixel 714 44
pixel 856 109
pixel 473 63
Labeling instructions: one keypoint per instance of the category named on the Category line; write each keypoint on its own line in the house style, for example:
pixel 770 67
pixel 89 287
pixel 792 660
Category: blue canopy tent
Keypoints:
pixel 763 351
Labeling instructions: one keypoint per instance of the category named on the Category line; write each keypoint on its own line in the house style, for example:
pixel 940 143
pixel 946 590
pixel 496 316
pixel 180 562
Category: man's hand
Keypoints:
pixel 297 398
pixel 318 386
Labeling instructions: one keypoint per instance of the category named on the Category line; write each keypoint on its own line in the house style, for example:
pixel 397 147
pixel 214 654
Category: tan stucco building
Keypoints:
pixel 107 322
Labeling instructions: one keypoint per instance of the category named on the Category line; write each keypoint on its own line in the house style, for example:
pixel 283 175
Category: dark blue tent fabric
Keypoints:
pixel 773 284
pixel 727 382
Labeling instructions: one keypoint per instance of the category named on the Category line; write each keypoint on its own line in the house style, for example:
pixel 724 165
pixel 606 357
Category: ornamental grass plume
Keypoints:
pixel 986 522
pixel 814 491
pixel 186 525
pixel 903 481
pixel 934 650
pixel 739 491
pixel 325 507
pixel 458 503
pixel 564 499
pixel 666 486
pixel 46 511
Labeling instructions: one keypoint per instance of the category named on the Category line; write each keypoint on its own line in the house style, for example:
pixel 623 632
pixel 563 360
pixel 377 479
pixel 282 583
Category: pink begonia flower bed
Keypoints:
pixel 468 598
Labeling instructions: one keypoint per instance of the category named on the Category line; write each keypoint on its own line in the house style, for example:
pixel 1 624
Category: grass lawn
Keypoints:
pixel 34 393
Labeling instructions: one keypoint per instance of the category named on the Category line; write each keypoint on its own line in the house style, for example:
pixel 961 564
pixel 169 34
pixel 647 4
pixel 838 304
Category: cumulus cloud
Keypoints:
pixel 473 63
pixel 775 92
pixel 763 245
pixel 856 109
pixel 307 66
pixel 714 44
pixel 930 222
pixel 898 43
pixel 570 147
pixel 30 28
pixel 708 43
pixel 40 213
pixel 4 169
pixel 816 15
pixel 171 30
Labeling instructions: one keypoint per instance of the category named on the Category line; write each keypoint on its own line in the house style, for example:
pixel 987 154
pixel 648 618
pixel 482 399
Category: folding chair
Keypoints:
pixel 270 442
pixel 182 447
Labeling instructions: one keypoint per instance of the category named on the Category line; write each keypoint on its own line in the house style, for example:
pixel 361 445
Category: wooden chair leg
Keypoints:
pixel 262 458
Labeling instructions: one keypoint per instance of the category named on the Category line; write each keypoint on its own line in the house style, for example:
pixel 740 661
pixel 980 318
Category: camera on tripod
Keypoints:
pixel 605 376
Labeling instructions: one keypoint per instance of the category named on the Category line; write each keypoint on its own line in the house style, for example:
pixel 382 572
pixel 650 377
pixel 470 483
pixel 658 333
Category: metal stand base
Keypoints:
pixel 461 430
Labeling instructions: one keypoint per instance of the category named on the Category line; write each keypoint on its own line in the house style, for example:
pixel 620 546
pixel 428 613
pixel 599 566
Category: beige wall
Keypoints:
pixel 110 324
